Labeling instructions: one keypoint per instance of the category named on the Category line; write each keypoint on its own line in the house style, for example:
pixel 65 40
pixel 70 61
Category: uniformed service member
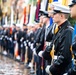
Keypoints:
pixel 73 9
pixel 72 5
pixel 44 18
pixel 60 49
pixel 49 36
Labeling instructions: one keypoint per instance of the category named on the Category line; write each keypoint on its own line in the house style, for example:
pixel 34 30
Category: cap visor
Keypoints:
pixel 70 5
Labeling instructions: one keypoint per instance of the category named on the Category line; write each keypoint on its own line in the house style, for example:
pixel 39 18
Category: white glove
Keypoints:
pixel 32 46
pixel 47 69
pixel 14 42
pixel 34 51
pixel 30 65
pixel 5 36
pixel 65 74
pixel 21 39
pixel 21 45
pixel 10 39
pixel 40 53
pixel 1 38
pixel 18 57
pixel 29 43
pixel 25 44
pixel 26 40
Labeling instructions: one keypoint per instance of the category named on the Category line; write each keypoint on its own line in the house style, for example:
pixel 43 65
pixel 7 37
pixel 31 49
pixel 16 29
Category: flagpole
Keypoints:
pixel 43 5
pixel 37 10
pixel 32 12
pixel 6 20
pixel 12 15
pixel 6 15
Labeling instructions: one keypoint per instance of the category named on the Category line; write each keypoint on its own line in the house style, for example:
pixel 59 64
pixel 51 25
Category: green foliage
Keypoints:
pixel 72 21
pixel 34 2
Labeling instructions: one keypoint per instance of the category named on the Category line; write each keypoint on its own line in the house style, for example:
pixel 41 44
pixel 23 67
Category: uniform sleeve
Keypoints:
pixel 74 43
pixel 65 45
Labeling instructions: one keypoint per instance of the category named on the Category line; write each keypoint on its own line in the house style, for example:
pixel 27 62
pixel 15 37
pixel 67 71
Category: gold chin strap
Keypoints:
pixel 56 29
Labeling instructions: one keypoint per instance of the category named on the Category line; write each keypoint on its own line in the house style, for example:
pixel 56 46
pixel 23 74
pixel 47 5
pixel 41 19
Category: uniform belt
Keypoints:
pixel 55 57
pixel 47 43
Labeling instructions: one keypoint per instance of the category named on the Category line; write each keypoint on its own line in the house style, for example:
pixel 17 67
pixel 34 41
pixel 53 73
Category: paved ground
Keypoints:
pixel 11 67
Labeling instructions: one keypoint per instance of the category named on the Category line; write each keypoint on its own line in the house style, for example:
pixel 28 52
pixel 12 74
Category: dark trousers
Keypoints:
pixel 23 53
pixel 38 65
pixel 29 54
pixel 45 63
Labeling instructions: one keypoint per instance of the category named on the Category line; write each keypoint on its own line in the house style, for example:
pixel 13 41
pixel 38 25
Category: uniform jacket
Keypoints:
pixel 74 47
pixel 40 39
pixel 62 41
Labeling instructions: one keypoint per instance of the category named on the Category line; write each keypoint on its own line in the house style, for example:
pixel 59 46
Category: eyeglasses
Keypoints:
pixel 54 13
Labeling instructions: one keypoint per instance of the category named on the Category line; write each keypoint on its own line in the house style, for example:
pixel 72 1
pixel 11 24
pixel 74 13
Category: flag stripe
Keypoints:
pixel 37 10
pixel 65 2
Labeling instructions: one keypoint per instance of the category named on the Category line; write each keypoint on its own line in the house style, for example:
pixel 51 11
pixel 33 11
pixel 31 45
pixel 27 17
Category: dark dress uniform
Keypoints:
pixel 36 45
pixel 13 40
pixel 19 36
pixel 10 43
pixel 40 39
pixel 62 44
pixel 6 34
pixel 1 38
pixel 24 34
pixel 13 34
pixel 49 33
pixel 49 37
pixel 30 41
pixel 72 70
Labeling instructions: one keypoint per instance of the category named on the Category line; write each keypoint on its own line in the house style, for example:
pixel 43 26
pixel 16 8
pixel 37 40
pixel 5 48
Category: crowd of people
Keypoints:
pixel 44 48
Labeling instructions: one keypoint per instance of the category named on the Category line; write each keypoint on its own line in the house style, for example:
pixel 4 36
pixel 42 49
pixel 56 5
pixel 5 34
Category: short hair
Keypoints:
pixel 24 25
pixel 14 24
pixel 66 16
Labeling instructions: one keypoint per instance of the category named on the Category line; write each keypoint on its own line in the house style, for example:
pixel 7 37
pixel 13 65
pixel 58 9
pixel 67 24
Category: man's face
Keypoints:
pixel 50 14
pixel 24 27
pixel 17 28
pixel 56 17
pixel 43 19
pixel 73 11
